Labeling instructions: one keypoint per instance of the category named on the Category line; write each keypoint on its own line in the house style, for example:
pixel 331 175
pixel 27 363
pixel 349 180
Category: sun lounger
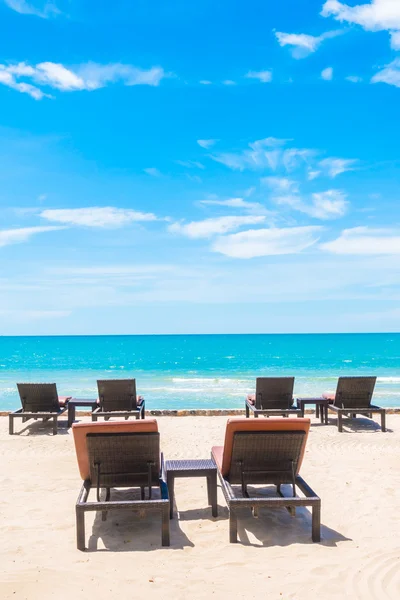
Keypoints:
pixel 39 401
pixel 117 398
pixel 259 453
pixel 120 455
pixel 353 396
pixel 273 397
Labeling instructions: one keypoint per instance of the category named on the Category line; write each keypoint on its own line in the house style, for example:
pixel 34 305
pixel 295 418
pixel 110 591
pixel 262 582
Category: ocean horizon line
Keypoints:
pixel 75 335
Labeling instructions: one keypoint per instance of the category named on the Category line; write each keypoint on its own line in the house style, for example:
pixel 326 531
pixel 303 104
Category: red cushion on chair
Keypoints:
pixel 329 396
pixel 63 400
pixel 251 398
pixel 80 431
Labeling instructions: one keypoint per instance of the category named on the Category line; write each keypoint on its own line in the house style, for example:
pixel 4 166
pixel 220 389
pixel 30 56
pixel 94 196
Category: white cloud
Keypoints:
pixel 303 44
pixel 365 240
pixel 313 174
pixel 41 9
pixel 327 74
pixel 263 76
pixel 280 184
pixel 9 80
pixel 336 166
pixel 327 205
pixel 395 40
pixel 206 143
pixel 377 15
pixel 390 74
pixel 229 82
pixel 354 78
pixel 89 76
pixel 255 207
pixel 96 216
pixel 205 82
pixel 265 242
pixel 265 154
pixel 214 226
pixel 153 172
pixel 190 164
pixel 16 236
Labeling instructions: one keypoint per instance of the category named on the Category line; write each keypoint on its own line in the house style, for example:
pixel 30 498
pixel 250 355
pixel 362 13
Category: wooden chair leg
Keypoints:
pixel 316 523
pixel 165 539
pixel 383 421
pixel 340 422
pixel 11 424
pixel 80 529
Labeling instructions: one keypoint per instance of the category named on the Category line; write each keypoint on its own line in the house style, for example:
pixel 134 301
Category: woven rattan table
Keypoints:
pixel 193 468
pixel 74 402
pixel 321 407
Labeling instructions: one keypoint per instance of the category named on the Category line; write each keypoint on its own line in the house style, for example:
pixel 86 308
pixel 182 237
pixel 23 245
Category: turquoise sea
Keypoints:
pixel 199 371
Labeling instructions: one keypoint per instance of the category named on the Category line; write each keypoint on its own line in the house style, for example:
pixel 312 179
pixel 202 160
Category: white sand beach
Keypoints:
pixel 356 474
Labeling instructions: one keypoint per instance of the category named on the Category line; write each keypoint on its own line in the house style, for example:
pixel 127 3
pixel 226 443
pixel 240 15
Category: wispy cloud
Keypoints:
pixel 280 184
pixel 331 204
pixel 254 207
pixel 214 226
pixel 16 236
pixel 302 44
pixel 206 143
pixel 268 153
pixel 263 76
pixel 190 164
pixel 354 78
pixel 42 9
pixel 335 166
pixel 152 171
pixel 265 242
pixel 88 76
pixel 205 82
pixel 365 240
pixel 327 74
pixel 390 74
pixel 96 216
pixel 395 40
pixel 229 82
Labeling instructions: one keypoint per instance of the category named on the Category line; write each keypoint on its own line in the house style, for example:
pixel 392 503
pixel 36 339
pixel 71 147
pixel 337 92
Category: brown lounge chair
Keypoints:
pixel 120 455
pixel 353 396
pixel 117 398
pixel 264 452
pixel 273 397
pixel 39 401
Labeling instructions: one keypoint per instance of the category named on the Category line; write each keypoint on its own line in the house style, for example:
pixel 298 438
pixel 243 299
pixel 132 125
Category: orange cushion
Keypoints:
pixel 236 424
pixel 63 400
pixel 251 398
pixel 80 431
pixel 217 452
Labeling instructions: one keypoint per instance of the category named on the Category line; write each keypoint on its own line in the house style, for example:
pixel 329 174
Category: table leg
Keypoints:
pixel 212 493
pixel 326 414
pixel 316 411
pixel 170 484
pixel 71 414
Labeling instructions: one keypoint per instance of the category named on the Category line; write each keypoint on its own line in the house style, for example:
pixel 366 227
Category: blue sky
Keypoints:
pixel 176 167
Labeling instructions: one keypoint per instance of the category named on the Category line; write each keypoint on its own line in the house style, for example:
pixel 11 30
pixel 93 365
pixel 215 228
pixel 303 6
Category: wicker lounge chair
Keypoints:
pixel 264 452
pixel 273 397
pixel 120 455
pixel 39 401
pixel 353 396
pixel 117 398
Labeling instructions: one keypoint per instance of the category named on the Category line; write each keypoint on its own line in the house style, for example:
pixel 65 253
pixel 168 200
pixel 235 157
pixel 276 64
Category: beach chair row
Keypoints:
pixel 273 397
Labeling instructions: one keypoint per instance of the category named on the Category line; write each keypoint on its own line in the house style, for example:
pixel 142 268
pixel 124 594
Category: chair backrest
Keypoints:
pixel 354 392
pixel 274 392
pixel 38 397
pixel 260 447
pixel 123 450
pixel 117 394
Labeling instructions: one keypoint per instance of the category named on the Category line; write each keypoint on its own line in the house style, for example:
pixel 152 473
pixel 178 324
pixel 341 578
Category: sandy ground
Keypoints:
pixel 356 474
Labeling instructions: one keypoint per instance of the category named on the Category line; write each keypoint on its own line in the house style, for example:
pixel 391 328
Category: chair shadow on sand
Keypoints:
pixel 359 424
pixel 277 527
pixel 128 531
pixel 40 427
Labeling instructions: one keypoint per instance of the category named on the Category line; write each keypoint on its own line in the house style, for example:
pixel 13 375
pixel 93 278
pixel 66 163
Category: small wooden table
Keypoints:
pixel 321 407
pixel 193 468
pixel 74 402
